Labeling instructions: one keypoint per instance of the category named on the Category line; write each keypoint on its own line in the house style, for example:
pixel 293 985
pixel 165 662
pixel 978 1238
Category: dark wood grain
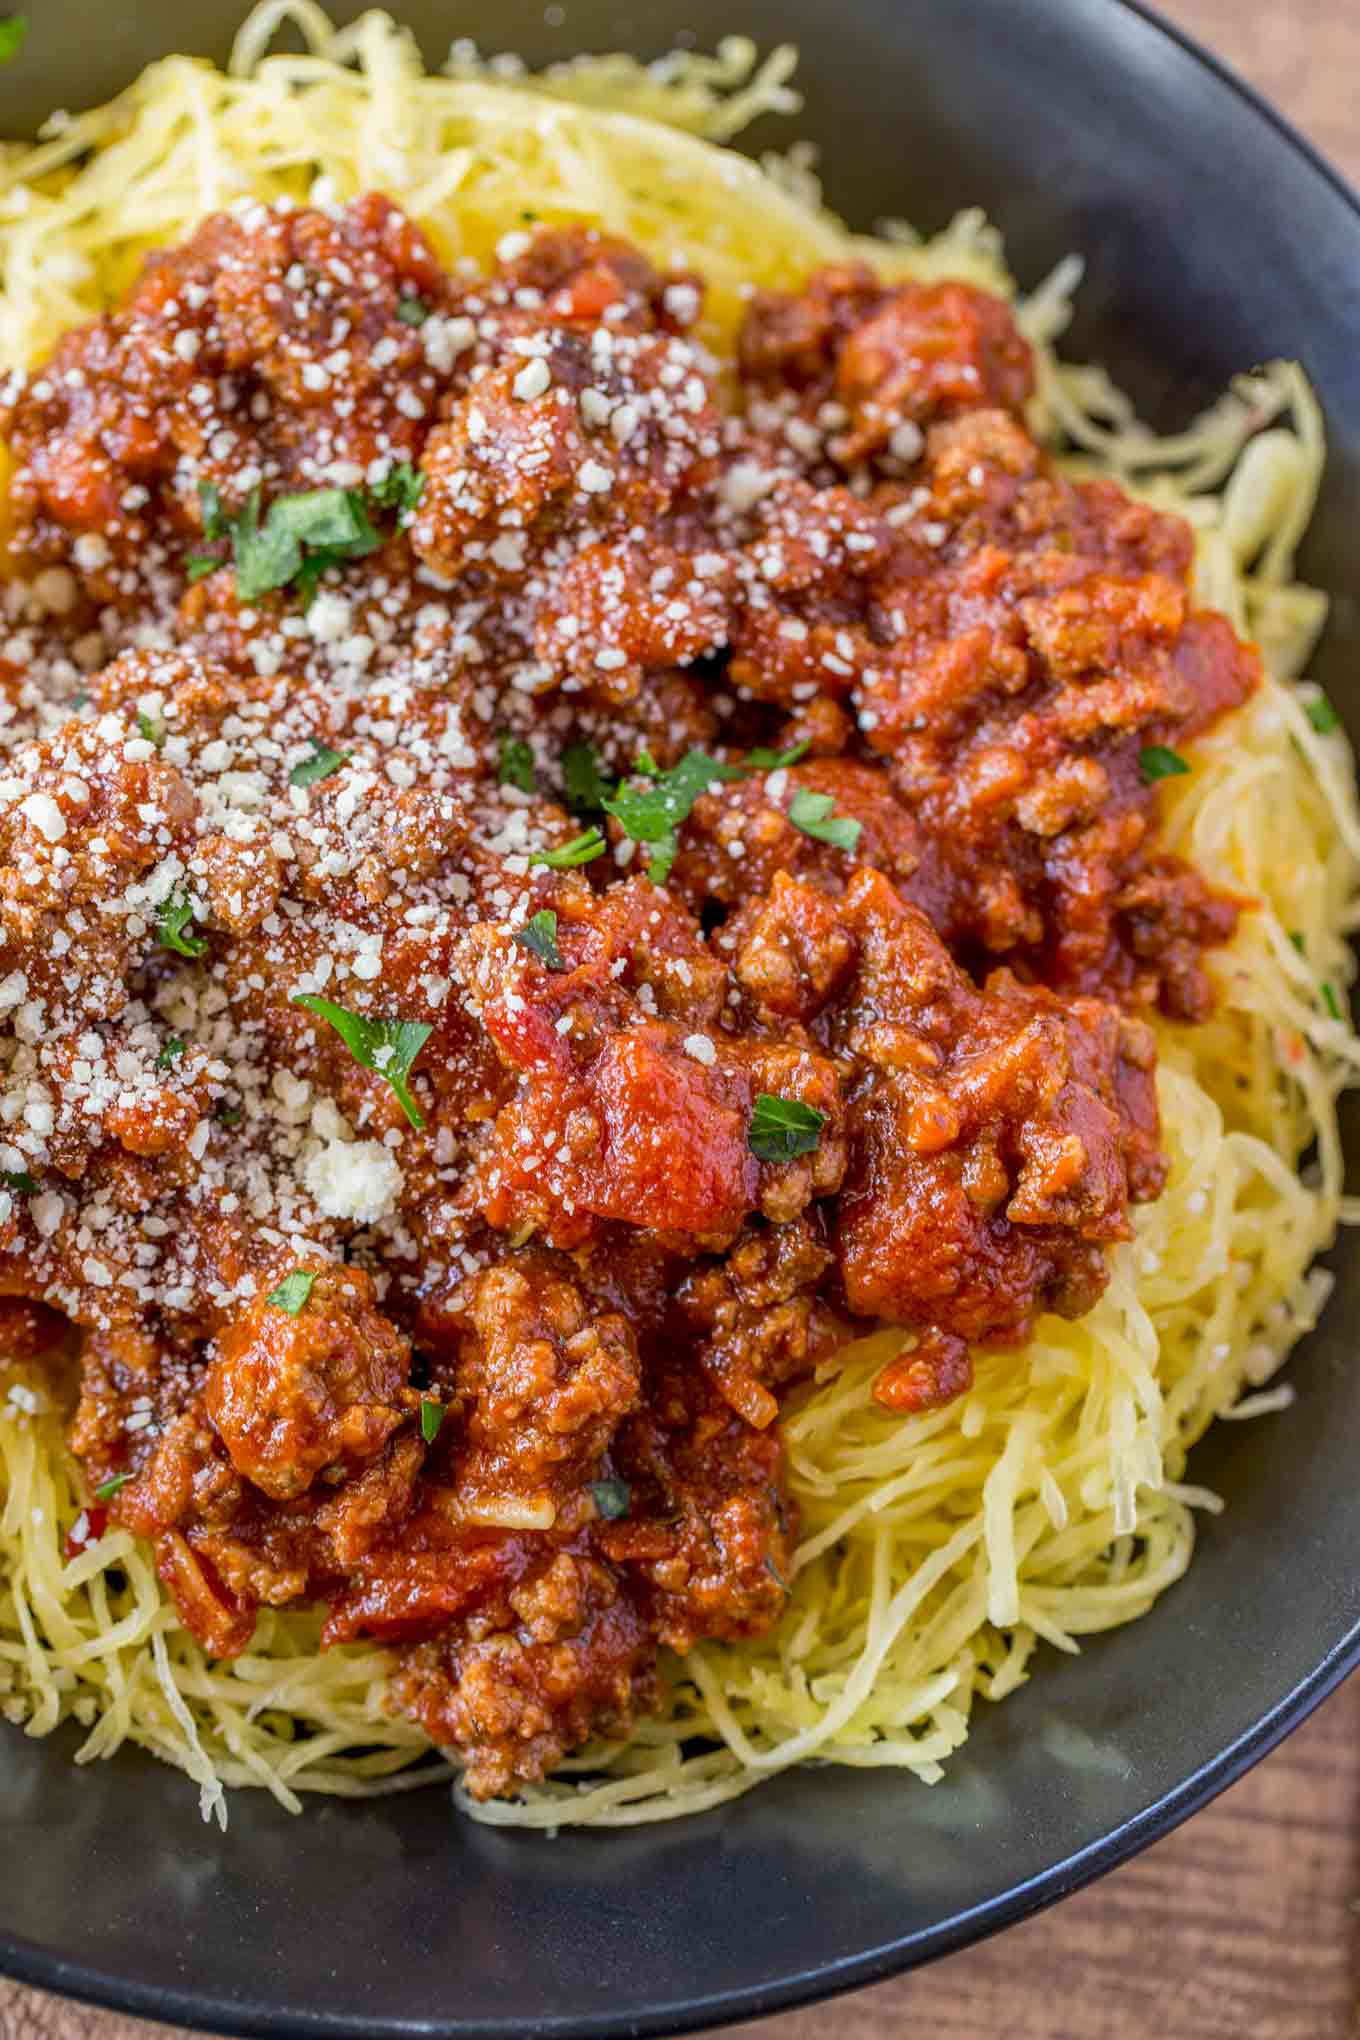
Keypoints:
pixel 1306 58
pixel 1245 1925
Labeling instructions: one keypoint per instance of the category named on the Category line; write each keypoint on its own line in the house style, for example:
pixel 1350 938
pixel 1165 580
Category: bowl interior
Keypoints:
pixel 1213 242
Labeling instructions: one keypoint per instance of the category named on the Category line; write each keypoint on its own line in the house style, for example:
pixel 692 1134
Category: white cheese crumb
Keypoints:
pixel 46 817
pixel 354 1179
pixel 532 380
pixel 682 302
pixel 443 340
pixel 907 442
pixel 743 485
pixel 329 617
pixel 90 552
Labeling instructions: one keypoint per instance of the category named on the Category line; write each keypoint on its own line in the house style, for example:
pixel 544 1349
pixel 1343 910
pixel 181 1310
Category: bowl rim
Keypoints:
pixel 28 1963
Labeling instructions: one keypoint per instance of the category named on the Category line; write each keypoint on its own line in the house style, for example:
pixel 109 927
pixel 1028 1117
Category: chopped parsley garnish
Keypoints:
pixel 773 1570
pixel 320 765
pixel 215 523
pixel 107 1489
pixel 20 1180
pixel 613 1498
pixel 293 1292
pixel 781 1128
pixel 300 538
pixel 1157 762
pixel 815 814
pixel 1297 940
pixel 582 849
pixel 517 765
pixel 13 30
pixel 215 528
pixel 171 1052
pixel 173 917
pixel 230 1115
pixel 151 728
pixel 761 760
pixel 1322 715
pixel 412 311
pixel 401 488
pixel 653 813
pixel 388 1047
pixel 432 1415
pixel 540 935
pixel 583 783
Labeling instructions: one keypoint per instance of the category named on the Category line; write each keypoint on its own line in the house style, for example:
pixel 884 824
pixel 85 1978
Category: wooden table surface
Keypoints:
pixel 1247 1921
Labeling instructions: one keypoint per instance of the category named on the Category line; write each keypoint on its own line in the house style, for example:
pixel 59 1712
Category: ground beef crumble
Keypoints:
pixel 489 1358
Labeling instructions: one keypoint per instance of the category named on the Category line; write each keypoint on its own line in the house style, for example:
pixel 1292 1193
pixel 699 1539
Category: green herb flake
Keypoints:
pixel 13 31
pixel 583 783
pixel 517 764
pixel 215 530
pixel 412 311
pixel 613 1498
pixel 152 728
pixel 320 765
pixel 293 1292
pixel 653 814
pixel 1297 940
pixel 171 1052
pixel 107 1489
pixel 761 760
pixel 582 849
pixel 302 536
pixel 19 1180
pixel 1157 762
pixel 540 936
pixel 432 1415
pixel 173 917
pixel 1322 715
pixel 388 1047
pixel 230 1115
pixel 1330 1000
pixel 815 814
pixel 214 518
pixel 400 489
pixel 773 1570
pixel 782 1128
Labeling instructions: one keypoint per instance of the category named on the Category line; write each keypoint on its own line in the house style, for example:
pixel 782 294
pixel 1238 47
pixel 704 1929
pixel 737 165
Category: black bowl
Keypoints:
pixel 1215 240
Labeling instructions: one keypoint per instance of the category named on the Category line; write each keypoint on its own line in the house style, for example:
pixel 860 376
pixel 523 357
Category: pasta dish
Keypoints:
pixel 674 943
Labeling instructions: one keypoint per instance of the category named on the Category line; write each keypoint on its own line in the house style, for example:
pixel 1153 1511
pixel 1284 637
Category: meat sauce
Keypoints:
pixel 347 591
